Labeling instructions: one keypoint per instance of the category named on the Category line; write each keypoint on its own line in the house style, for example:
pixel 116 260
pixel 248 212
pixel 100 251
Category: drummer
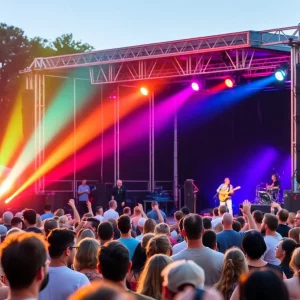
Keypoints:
pixel 275 185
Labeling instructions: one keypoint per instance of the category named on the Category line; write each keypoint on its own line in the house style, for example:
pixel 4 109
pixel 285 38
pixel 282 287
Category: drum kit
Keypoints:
pixel 266 195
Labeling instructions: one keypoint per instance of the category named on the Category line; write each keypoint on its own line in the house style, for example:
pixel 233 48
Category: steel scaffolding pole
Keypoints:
pixel 74 138
pixel 175 170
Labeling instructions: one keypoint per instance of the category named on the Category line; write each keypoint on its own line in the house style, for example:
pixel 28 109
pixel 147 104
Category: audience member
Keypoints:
pixel 117 233
pixel 105 232
pixel 215 213
pixel 6 219
pixel 137 216
pixel 84 233
pixel 211 261
pixel 218 228
pixel 258 218
pixel 293 284
pixel 185 211
pixel 282 228
pixel 291 219
pixel 86 258
pixel 111 213
pixel 163 228
pixel 29 216
pixel 228 237
pixel 207 223
pixel 178 215
pixel 47 212
pixel 3 232
pixel 99 213
pixel 59 212
pixel 62 280
pixel 16 222
pixel 39 223
pixel 159 244
pixel 149 226
pixel 284 253
pixel 23 259
pixel 236 226
pixel 13 230
pixel 92 223
pixel 209 239
pixel 261 285
pixel 156 214
pixel 269 226
pixel 218 220
pixel 114 264
pixel 127 211
pixel 297 219
pixel 124 225
pixel 234 266
pixel 294 234
pixel 181 245
pixel 150 283
pixel 241 220
pixel 254 246
pixel 49 224
pixel 141 224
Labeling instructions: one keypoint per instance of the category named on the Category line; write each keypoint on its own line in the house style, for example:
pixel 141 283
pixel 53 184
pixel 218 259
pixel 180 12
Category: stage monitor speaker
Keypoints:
pixel 189 194
pixel 297 123
pixel 265 208
pixel 291 201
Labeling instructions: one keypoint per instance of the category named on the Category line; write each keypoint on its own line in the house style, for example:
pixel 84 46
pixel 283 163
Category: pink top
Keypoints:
pixel 135 220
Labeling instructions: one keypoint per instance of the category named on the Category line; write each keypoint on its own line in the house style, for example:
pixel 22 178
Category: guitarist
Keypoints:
pixel 224 189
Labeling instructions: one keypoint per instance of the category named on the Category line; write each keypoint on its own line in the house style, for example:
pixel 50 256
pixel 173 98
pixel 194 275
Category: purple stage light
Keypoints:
pixel 195 86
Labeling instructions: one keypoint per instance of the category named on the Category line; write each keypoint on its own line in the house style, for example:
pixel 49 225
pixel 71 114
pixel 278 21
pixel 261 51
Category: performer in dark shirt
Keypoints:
pixel 274 187
pixel 119 194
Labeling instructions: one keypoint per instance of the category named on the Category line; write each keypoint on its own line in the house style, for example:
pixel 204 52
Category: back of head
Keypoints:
pixel 137 211
pixel 209 239
pixel 236 226
pixel 126 210
pixel 87 254
pixel 206 223
pixel 124 224
pixel 85 233
pixel 159 244
pixel 113 261
pixel 29 215
pixel 7 217
pixel 146 238
pixel 59 240
pixel 253 244
pixel 178 215
pixel 283 215
pixel 50 224
pixel 94 223
pixel 105 231
pixel 294 234
pixel 149 226
pixel 291 218
pixel 219 227
pixel 99 209
pixel 185 210
pixel 59 212
pixel 216 211
pixel 63 220
pixel 241 220
pixel 222 210
pixel 47 207
pixel 227 220
pixel 288 246
pixel 193 227
pixel 295 262
pixel 258 216
pixel 262 285
pixel 22 256
pixel 15 221
pixel 271 221
pixel 154 203
pixel 162 228
pixel 112 204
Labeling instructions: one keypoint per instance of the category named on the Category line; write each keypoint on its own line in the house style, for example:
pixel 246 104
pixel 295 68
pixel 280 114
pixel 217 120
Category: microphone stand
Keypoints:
pixel 196 190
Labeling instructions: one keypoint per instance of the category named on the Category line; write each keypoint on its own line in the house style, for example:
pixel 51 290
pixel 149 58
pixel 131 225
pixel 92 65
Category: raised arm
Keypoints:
pixel 75 211
pixel 160 217
pixel 142 210
pixel 247 211
pixel 89 206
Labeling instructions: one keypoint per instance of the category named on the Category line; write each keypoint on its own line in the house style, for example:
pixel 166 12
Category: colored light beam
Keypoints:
pixel 13 136
pixel 85 133
pixel 56 117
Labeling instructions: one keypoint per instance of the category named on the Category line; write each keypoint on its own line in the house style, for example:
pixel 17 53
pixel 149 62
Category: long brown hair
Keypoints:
pixel 150 282
pixel 234 266
pixel 295 262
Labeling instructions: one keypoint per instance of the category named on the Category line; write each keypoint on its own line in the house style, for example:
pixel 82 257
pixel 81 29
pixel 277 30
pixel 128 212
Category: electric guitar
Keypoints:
pixel 224 195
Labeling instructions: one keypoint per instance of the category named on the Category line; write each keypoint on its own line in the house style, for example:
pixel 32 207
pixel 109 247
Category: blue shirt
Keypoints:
pixel 85 196
pixel 130 244
pixel 153 215
pixel 227 239
pixel 47 216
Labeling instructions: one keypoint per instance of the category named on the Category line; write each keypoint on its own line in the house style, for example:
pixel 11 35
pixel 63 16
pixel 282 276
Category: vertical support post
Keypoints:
pixel 36 148
pixel 175 157
pixel 118 133
pixel 74 139
pixel 115 140
pixel 151 143
pixel 102 135
pixel 43 126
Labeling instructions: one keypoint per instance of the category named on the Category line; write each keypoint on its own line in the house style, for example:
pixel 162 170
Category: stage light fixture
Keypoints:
pixel 280 74
pixel 195 86
pixel 229 82
pixel 144 91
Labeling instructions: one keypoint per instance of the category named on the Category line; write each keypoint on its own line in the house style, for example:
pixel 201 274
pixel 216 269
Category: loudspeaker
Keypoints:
pixel 189 194
pixel 265 208
pixel 291 201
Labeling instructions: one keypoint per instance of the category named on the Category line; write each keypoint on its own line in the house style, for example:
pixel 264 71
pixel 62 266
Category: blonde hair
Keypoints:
pixel 85 233
pixel 149 226
pixel 146 238
pixel 234 266
pixel 160 244
pixel 162 228
pixel 295 262
pixel 87 254
pixel 294 234
pixel 150 282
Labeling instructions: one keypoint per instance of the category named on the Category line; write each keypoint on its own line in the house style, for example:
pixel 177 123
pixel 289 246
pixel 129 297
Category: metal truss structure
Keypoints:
pixel 249 54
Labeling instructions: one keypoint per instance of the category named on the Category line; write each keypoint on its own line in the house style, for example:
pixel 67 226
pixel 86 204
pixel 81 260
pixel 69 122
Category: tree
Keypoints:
pixel 65 44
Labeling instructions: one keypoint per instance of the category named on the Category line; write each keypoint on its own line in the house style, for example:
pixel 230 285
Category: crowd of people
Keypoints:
pixel 139 255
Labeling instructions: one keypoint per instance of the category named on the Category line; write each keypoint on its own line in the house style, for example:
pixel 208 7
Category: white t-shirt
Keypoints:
pixel 110 214
pixel 272 242
pixel 62 283
pixel 139 237
pixel 216 221
pixel 174 235
pixel 179 247
pixel 100 218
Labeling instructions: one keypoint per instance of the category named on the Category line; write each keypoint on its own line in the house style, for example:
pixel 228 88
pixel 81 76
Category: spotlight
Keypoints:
pixel 280 74
pixel 144 91
pixel 195 86
pixel 229 82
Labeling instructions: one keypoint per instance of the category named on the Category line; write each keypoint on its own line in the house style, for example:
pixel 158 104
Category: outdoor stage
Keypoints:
pixel 91 121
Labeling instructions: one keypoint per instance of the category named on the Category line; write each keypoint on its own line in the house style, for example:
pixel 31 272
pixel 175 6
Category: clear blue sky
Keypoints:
pixel 116 23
